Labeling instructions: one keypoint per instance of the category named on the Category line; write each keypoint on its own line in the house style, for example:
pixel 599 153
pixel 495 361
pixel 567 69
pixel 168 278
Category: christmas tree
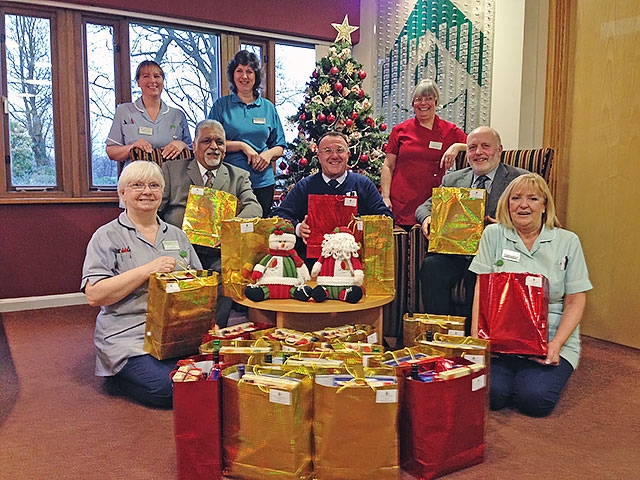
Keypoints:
pixel 335 100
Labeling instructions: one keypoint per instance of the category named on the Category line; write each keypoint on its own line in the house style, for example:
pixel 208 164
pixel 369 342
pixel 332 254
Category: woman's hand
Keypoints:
pixel 253 157
pixel 173 149
pixel 449 156
pixel 553 355
pixel 142 144
pixel 162 265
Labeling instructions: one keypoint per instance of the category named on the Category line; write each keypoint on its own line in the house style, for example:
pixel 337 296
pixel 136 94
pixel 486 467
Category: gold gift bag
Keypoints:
pixel 266 429
pixel 354 427
pixel 244 241
pixel 206 209
pixel 475 350
pixel 421 323
pixel 457 220
pixel 377 253
pixel 180 310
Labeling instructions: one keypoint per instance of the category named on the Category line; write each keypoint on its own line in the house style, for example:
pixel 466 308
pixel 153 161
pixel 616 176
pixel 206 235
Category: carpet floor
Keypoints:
pixel 56 422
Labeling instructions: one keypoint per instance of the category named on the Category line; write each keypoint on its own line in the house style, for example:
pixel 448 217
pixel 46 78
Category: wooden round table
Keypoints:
pixel 311 316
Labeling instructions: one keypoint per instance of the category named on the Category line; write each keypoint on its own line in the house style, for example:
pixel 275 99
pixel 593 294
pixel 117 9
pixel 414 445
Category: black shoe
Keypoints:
pixel 351 294
pixel 302 293
pixel 319 294
pixel 254 293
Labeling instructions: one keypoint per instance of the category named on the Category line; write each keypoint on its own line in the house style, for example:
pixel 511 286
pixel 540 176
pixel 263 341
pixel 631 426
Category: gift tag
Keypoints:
pixel 479 359
pixel 387 396
pixel 373 338
pixel 197 190
pixel 456 333
pixel 533 282
pixel 350 202
pixel 478 383
pixel 246 227
pixel 279 396
pixel 477 193
pixel 172 287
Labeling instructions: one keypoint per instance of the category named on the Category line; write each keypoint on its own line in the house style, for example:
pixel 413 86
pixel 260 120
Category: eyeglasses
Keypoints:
pixel 139 186
pixel 329 151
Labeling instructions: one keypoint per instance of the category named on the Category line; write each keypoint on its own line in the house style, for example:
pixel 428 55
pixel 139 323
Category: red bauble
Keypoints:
pixel 360 93
pixel 382 127
pixel 337 87
pixel 371 122
pixel 362 74
pixel 303 162
pixel 364 158
pixel 348 122
pixel 315 74
pixel 354 115
pixel 303 116
pixel 334 70
pixel 282 165
pixel 331 118
pixel 322 118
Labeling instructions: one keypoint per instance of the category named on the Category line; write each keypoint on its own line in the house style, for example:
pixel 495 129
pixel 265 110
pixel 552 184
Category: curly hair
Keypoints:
pixel 243 57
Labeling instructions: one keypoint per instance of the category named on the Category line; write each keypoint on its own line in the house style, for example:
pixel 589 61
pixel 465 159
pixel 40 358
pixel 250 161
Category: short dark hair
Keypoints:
pixel 243 57
pixel 148 63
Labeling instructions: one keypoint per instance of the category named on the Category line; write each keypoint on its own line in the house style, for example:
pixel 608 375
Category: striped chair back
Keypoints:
pixel 537 161
pixel 156 155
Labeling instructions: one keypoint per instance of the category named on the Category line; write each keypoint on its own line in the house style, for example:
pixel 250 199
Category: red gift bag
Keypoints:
pixel 327 212
pixel 442 422
pixel 513 312
pixel 196 415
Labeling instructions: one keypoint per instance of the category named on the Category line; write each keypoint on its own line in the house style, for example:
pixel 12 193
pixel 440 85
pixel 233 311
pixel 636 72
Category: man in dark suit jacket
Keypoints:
pixel 440 272
pixel 209 148
pixel 207 169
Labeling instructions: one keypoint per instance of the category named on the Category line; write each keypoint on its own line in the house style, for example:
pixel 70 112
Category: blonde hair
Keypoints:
pixel 534 182
pixel 140 171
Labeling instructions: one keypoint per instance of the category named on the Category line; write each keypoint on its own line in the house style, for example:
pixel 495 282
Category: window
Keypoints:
pixel 29 104
pixel 62 73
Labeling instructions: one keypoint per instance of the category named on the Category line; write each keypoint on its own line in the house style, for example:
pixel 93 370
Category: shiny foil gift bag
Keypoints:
pixel 513 314
pixel 244 242
pixel 429 324
pixel 442 418
pixel 325 213
pixel 457 220
pixel 205 211
pixel 180 310
pixel 377 253
pixel 266 424
pixel 354 426
pixel 475 350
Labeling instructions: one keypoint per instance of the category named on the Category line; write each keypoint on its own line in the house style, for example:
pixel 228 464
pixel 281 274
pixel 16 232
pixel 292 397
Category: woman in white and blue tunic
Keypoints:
pixel 121 256
pixel 148 122
pixel 527 239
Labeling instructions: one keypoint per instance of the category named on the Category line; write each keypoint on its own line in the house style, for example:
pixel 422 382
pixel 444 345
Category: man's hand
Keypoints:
pixel 426 231
pixel 305 230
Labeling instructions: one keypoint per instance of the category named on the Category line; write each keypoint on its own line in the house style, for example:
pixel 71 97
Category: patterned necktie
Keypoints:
pixel 209 181
pixel 333 183
pixel 481 181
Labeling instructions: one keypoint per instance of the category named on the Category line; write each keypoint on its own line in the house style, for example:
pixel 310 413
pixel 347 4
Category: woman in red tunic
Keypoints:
pixel 419 152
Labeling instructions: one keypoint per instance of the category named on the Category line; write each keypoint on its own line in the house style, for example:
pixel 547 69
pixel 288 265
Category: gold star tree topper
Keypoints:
pixel 344 30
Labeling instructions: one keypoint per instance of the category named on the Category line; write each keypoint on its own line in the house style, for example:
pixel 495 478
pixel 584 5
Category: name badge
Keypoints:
pixel 260 121
pixel 145 130
pixel 171 245
pixel 435 145
pixel 511 255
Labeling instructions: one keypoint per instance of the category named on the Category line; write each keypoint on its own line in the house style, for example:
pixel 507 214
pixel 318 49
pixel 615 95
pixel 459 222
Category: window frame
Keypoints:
pixel 70 82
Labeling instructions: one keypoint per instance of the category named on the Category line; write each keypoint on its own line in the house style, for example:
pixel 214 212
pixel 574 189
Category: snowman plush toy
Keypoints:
pixel 339 271
pixel 281 273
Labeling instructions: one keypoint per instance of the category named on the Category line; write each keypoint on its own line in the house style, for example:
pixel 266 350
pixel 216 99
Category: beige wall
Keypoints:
pixel 603 177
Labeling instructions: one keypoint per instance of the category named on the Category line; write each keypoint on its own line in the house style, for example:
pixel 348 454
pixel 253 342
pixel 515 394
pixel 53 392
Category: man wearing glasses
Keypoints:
pixel 334 179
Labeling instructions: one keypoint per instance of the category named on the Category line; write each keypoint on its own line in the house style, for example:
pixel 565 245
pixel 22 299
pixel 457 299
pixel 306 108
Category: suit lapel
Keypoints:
pixel 498 186
pixel 222 178
pixel 193 172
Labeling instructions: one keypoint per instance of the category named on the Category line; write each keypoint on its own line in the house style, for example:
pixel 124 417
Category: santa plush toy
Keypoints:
pixel 339 271
pixel 281 273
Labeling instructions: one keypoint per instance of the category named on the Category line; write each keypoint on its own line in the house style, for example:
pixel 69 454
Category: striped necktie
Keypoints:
pixel 209 181
pixel 481 181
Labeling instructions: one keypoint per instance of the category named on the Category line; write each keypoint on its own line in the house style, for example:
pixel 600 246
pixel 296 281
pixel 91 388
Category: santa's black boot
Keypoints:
pixel 320 294
pixel 351 294
pixel 254 293
pixel 302 293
